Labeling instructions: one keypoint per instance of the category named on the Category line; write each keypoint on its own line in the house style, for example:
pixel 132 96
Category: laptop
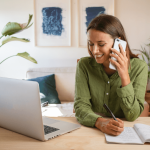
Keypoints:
pixel 20 111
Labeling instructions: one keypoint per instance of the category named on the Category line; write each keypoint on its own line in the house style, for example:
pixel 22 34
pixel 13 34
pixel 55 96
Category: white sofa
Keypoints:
pixel 65 86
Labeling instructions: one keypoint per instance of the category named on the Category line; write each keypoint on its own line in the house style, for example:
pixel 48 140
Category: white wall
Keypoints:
pixel 134 15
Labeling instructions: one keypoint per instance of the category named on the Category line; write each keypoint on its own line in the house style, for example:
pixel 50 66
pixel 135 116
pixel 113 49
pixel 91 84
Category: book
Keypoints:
pixel 138 134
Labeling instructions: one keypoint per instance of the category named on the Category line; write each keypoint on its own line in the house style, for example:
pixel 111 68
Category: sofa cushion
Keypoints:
pixel 64 78
pixel 47 89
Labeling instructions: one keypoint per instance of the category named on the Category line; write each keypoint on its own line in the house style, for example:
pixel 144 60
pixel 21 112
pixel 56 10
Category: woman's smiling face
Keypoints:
pixel 100 44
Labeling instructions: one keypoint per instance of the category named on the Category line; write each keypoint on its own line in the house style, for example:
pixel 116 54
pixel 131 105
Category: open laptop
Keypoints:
pixel 20 111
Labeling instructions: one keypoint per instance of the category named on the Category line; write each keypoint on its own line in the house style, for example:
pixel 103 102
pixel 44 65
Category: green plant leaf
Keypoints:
pixel 143 57
pixel 14 27
pixel 29 26
pixel 27 56
pixel 143 51
pixel 11 38
pixel 1 36
pixel 11 28
pixel 148 44
pixel 29 20
pixel 147 55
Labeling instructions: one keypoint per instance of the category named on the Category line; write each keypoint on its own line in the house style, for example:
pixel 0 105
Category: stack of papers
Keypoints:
pixel 58 110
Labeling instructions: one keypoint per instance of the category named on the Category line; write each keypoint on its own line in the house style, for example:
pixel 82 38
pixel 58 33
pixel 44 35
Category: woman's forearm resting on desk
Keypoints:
pixel 84 113
pixel 88 118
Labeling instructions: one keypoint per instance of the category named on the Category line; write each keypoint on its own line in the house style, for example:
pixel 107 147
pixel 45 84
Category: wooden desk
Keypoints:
pixel 84 138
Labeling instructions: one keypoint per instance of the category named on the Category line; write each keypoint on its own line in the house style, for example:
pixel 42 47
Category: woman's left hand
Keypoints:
pixel 121 64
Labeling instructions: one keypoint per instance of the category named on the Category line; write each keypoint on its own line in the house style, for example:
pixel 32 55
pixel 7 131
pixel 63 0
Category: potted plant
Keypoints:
pixel 12 28
pixel 146 57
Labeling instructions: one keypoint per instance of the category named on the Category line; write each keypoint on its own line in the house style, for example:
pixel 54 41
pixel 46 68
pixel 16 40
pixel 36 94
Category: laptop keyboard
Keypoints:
pixel 48 129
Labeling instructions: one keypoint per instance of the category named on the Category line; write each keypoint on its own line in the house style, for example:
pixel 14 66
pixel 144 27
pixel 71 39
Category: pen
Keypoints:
pixel 44 104
pixel 108 110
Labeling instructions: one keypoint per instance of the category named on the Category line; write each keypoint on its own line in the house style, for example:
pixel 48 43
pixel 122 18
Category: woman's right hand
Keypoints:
pixel 110 126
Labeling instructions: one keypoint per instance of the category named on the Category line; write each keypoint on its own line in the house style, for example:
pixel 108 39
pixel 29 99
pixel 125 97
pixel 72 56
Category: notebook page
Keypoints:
pixel 143 131
pixel 127 136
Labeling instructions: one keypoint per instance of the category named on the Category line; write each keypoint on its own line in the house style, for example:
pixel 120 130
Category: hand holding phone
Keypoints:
pixel 116 46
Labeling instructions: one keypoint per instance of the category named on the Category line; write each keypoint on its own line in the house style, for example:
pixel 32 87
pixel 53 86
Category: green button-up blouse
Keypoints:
pixel 93 88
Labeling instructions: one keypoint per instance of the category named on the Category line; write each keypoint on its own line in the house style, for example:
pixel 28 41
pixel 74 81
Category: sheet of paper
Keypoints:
pixel 127 136
pixel 58 110
pixel 143 131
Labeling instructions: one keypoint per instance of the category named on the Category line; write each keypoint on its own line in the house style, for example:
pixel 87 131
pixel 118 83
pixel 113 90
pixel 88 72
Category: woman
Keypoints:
pixel 123 90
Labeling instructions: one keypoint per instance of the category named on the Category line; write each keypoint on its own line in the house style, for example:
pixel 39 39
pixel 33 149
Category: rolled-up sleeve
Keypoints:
pixel 82 104
pixel 133 95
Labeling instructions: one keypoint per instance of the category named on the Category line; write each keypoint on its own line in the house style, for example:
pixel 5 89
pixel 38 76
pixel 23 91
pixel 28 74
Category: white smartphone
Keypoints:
pixel 116 46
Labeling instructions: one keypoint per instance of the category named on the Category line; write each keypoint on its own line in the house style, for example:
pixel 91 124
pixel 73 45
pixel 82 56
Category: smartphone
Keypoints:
pixel 116 46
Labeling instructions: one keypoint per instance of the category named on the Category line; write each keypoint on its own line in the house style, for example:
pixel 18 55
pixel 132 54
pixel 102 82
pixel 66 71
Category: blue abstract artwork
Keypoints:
pixel 52 21
pixel 92 12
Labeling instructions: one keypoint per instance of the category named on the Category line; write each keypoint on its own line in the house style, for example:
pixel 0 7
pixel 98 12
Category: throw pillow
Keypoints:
pixel 47 89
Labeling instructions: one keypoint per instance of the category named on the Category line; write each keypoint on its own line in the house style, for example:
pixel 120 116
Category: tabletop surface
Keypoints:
pixel 84 138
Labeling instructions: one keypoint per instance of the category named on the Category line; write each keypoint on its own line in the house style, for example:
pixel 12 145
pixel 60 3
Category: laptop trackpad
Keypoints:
pixel 49 121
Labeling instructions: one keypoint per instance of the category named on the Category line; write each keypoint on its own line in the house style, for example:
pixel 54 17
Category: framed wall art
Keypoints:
pixel 88 10
pixel 52 22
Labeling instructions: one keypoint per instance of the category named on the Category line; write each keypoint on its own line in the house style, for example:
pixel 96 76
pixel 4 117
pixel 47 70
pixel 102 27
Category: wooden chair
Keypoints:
pixel 145 112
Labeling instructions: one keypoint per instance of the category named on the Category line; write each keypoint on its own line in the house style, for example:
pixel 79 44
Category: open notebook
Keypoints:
pixel 139 134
